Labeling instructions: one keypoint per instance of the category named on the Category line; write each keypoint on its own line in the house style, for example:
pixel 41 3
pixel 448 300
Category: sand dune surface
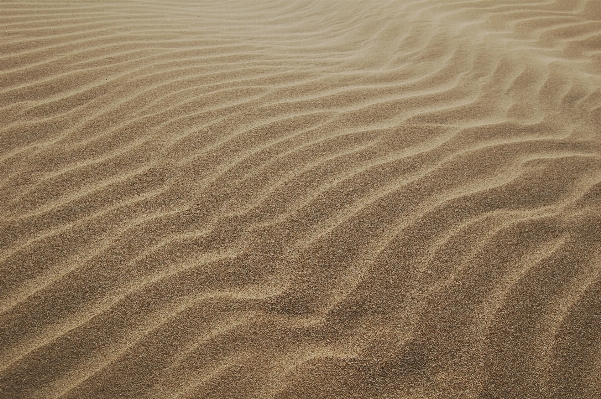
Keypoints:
pixel 300 199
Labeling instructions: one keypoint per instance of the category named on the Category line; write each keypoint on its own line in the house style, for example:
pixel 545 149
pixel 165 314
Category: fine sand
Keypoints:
pixel 300 199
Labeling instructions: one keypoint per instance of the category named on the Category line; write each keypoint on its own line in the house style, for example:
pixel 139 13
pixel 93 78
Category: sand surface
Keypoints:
pixel 300 199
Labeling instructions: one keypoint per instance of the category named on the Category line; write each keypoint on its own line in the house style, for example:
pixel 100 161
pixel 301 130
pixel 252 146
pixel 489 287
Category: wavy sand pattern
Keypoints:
pixel 300 199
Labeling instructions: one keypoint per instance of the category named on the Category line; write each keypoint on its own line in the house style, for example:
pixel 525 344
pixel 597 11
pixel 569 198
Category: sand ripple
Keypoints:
pixel 316 199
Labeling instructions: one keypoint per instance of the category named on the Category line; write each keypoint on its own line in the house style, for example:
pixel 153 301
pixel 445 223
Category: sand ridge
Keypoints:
pixel 303 199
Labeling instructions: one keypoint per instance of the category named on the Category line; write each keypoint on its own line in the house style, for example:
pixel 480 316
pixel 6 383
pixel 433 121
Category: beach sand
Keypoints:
pixel 300 199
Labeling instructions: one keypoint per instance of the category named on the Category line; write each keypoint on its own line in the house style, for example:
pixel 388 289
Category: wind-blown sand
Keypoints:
pixel 300 199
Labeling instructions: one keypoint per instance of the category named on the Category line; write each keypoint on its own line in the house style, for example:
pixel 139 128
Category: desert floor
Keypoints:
pixel 300 199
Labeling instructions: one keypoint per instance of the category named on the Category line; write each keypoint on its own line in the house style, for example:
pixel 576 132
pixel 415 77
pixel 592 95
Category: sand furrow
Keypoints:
pixel 309 199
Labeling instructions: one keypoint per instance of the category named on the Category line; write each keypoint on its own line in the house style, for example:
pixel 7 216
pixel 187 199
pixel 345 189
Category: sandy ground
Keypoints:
pixel 300 199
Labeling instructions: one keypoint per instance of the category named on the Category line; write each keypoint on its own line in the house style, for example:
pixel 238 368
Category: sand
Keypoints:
pixel 300 199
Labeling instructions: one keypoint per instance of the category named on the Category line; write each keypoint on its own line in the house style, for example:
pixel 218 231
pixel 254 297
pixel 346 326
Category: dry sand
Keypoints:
pixel 300 199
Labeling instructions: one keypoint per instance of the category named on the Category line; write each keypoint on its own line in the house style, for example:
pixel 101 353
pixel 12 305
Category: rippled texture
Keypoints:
pixel 300 199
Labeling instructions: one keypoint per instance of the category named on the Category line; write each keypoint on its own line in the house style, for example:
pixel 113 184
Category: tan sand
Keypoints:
pixel 300 199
